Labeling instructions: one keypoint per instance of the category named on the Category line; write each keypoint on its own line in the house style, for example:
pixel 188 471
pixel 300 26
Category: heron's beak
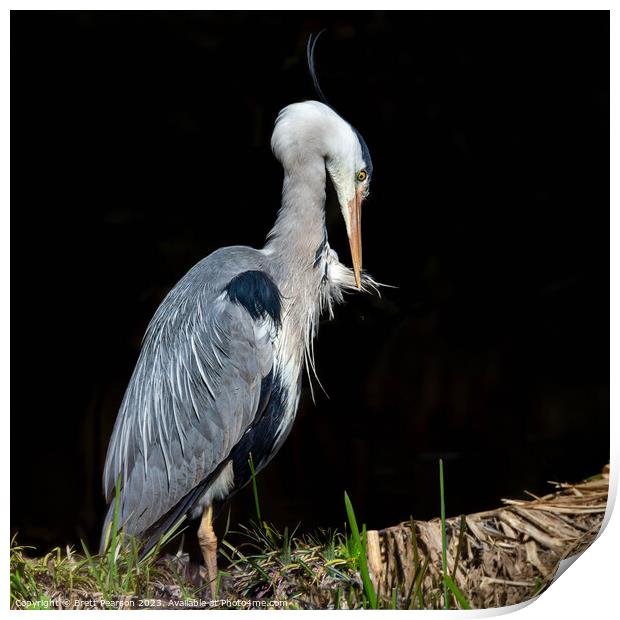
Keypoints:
pixel 355 235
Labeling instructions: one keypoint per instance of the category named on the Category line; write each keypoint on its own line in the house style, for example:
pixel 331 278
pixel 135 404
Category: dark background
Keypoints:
pixel 140 144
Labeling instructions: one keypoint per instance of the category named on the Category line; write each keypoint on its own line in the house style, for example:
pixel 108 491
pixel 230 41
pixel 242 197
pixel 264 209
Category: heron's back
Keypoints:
pixel 206 390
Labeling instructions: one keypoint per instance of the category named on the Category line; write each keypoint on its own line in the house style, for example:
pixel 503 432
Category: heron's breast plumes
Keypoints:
pixel 333 279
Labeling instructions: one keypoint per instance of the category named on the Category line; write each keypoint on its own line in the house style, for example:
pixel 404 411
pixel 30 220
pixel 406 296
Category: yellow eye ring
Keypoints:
pixel 361 176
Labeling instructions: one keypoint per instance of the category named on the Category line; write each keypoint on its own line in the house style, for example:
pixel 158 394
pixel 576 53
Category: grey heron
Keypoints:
pixel 219 374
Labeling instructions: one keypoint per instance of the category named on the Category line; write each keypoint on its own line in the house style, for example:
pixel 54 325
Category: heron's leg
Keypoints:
pixel 208 546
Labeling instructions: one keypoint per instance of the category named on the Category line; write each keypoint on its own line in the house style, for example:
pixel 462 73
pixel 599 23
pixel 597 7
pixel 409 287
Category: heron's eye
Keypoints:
pixel 362 175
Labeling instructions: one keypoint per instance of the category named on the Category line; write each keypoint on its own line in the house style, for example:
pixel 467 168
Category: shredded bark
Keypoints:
pixel 499 557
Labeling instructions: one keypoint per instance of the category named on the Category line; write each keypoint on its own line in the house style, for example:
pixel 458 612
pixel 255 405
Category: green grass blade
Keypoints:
pixel 227 528
pixel 462 601
pixel 444 561
pixel 355 534
pixel 361 553
pixel 169 535
pixel 255 489
pixel 419 584
pixel 338 597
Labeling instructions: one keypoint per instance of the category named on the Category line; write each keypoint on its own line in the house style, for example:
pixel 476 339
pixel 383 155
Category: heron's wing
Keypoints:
pixel 195 390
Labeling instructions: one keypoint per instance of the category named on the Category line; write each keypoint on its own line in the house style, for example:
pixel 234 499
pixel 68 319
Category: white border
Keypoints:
pixel 588 588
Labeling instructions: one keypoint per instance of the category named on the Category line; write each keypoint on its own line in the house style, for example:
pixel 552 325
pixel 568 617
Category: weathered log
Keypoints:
pixel 498 557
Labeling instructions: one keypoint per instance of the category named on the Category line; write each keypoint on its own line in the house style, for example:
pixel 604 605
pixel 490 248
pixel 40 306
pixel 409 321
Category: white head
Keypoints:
pixel 310 130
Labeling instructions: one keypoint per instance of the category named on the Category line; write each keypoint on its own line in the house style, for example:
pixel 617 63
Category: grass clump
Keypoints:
pixel 324 570
pixel 117 578
pixel 66 579
pixel 483 560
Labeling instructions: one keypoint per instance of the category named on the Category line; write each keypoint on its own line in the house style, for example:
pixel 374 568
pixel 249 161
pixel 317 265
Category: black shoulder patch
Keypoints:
pixel 257 293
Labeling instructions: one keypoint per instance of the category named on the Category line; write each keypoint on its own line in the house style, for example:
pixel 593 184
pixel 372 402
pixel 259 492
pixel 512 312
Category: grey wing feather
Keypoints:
pixel 194 392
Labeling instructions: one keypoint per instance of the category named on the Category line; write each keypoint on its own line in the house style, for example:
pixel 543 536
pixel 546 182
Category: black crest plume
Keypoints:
pixel 317 87
pixel 312 66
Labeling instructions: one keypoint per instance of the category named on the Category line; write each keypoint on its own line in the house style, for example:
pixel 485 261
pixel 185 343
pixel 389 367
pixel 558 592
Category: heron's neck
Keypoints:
pixel 300 226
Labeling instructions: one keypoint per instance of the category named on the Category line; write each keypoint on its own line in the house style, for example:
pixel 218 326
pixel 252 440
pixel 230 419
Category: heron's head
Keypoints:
pixel 312 131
